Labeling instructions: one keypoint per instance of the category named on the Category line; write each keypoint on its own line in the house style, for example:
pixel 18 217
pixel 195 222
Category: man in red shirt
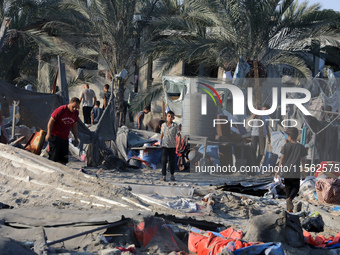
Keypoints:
pixel 62 120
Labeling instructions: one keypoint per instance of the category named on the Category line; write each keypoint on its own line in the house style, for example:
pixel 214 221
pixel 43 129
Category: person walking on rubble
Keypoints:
pixel 62 120
pixel 292 154
pixel 89 99
pixel 169 130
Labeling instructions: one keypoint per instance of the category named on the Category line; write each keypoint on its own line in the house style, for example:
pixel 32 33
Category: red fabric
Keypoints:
pixel 145 235
pixel 212 245
pixel 321 241
pixel 321 168
pixel 64 120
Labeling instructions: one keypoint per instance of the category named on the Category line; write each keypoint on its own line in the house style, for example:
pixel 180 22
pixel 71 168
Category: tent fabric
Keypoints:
pixel 35 108
pixel 156 231
pixel 321 242
pixel 211 243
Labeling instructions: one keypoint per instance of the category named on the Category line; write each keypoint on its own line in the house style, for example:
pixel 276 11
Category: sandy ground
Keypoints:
pixel 47 194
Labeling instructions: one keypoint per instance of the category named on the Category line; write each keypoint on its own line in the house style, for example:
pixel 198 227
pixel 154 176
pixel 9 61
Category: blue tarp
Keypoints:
pixel 266 248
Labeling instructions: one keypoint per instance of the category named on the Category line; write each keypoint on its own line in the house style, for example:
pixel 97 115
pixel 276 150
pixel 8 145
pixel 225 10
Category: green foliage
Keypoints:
pixel 220 31
pixel 19 54
pixel 145 97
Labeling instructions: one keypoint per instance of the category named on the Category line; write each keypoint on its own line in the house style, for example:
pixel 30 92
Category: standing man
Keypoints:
pixel 89 99
pixel 62 120
pixel 106 95
pixel 255 133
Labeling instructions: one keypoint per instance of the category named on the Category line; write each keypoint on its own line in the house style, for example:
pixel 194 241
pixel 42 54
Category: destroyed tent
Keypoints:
pixel 36 108
pixel 324 129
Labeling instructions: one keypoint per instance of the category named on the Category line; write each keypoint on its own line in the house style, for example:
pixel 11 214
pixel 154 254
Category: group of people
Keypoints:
pixel 64 119
pixel 91 107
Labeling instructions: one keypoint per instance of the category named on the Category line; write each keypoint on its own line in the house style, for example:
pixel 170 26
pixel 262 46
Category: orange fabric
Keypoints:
pixel 232 233
pixel 320 241
pixel 212 245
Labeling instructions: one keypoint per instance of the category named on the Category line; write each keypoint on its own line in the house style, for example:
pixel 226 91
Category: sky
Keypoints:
pixel 327 4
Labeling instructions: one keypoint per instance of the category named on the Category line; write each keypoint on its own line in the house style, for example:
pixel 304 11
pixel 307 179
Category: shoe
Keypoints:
pixel 290 205
pixel 163 179
pixel 172 178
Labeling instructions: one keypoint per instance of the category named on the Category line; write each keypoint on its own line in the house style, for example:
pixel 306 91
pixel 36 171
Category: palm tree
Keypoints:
pixel 107 30
pixel 270 32
pixel 94 31
pixel 19 55
pixel 266 32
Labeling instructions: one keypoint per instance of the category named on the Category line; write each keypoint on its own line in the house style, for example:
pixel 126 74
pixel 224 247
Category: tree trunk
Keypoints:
pixel 119 100
pixel 258 103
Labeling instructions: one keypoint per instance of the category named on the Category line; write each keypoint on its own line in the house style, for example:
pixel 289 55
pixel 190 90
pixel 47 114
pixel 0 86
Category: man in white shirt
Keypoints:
pixel 88 97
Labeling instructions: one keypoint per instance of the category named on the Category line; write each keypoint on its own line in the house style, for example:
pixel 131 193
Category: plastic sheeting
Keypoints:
pixel 35 108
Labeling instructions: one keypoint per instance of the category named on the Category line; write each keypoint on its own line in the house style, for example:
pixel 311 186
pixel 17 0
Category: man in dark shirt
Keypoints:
pixel 292 163
pixel 106 95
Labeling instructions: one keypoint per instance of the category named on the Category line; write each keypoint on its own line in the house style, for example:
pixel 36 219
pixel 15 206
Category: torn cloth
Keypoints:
pixel 322 242
pixel 184 205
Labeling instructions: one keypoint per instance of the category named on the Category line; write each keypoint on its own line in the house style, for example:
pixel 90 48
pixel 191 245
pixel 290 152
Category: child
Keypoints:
pixel 96 113
pixel 292 154
pixel 169 130
pixel 140 117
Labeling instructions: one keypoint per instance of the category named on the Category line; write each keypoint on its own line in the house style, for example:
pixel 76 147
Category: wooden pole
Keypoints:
pixel 258 103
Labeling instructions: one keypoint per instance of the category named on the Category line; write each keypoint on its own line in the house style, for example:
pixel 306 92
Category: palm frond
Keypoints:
pixel 144 98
